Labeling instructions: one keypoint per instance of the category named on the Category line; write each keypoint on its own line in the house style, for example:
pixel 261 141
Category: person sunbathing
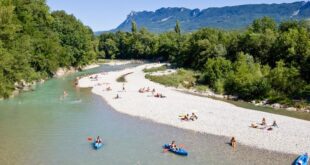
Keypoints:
pixel 194 117
pixel 253 125
pixel 186 117
pixel 274 124
pixel 162 96
pixel 263 121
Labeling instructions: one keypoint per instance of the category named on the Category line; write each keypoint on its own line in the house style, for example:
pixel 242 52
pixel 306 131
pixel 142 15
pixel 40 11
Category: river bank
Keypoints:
pixel 24 86
pixel 215 117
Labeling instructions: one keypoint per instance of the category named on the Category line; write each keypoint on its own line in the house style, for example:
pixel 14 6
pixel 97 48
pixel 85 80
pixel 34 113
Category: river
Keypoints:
pixel 40 127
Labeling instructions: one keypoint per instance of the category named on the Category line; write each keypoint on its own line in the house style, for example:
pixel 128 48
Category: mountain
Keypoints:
pixel 232 17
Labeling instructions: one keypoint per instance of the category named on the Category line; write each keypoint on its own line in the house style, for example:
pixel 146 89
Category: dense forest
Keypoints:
pixel 34 42
pixel 264 61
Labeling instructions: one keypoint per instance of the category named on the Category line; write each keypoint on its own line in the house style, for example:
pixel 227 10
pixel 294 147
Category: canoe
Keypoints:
pixel 302 160
pixel 179 151
pixel 97 145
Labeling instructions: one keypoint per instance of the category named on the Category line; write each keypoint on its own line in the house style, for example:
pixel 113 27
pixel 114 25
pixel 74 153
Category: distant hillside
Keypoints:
pixel 234 17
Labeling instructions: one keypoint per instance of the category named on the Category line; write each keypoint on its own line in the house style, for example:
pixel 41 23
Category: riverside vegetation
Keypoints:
pixel 34 42
pixel 265 61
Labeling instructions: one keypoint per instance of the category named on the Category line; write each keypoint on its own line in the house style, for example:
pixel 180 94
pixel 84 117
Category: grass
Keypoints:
pixel 155 69
pixel 201 88
pixel 102 61
pixel 122 78
pixel 185 78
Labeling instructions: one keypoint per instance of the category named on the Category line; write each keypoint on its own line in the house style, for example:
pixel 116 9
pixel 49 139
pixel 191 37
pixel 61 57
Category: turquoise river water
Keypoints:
pixel 40 128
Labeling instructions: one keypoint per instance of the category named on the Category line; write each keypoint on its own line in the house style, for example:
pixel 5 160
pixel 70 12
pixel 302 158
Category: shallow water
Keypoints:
pixel 42 128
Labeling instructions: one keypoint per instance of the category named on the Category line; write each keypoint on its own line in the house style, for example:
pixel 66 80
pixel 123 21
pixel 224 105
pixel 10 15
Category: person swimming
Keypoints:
pixel 65 93
pixel 98 140
pixel 233 142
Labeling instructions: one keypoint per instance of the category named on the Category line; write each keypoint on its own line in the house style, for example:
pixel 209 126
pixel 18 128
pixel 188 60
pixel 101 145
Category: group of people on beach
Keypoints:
pixel 148 89
pixel 186 117
pixel 264 125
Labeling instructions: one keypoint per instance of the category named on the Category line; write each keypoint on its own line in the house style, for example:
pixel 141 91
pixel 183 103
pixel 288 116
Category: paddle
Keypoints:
pixel 165 150
pixel 90 139
pixel 181 145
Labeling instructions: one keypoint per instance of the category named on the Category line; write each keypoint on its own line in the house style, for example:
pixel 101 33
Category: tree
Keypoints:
pixel 77 39
pixel 215 72
pixel 134 28
pixel 261 25
pixel 177 28
pixel 247 80
pixel 285 81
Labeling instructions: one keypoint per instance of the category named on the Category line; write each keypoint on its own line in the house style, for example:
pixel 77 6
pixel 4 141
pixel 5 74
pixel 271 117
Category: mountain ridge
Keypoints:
pixel 227 17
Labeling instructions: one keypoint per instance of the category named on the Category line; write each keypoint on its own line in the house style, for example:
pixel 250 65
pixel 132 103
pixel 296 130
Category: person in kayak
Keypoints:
pixel 173 145
pixel 98 140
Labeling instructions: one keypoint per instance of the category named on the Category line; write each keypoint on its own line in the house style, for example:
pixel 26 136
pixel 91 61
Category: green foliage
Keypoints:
pixel 177 28
pixel 247 81
pixel 155 69
pixel 134 28
pixel 286 80
pixel 243 63
pixel 34 42
pixel 185 78
pixel 77 39
pixel 216 70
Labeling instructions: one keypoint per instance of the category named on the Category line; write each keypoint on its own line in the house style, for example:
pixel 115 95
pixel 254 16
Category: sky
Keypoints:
pixel 103 15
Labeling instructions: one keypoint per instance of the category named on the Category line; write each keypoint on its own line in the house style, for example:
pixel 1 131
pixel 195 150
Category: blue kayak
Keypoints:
pixel 97 145
pixel 179 151
pixel 302 160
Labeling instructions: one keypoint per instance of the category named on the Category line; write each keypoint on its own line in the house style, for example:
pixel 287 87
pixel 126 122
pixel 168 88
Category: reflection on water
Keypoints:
pixel 42 128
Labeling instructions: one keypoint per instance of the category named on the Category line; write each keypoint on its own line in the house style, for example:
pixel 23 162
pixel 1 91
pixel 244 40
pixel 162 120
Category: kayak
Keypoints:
pixel 179 151
pixel 97 145
pixel 302 160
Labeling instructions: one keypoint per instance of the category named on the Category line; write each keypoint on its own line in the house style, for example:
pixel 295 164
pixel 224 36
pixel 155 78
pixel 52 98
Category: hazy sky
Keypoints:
pixel 108 14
